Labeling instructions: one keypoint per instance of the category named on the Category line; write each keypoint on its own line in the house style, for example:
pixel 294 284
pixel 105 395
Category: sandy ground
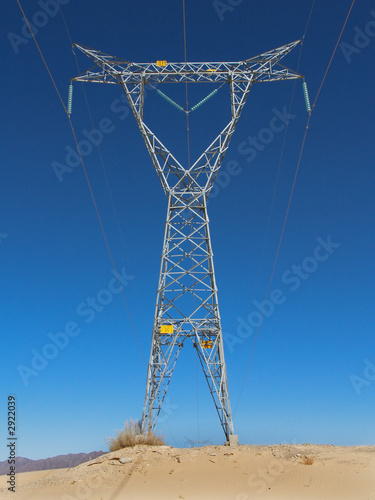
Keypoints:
pixel 280 472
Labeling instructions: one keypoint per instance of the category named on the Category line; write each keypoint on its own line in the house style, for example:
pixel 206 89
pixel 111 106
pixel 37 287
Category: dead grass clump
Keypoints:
pixel 307 460
pixel 131 436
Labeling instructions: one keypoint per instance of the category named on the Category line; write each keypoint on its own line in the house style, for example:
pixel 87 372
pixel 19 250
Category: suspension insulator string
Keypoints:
pixel 70 99
pixel 306 95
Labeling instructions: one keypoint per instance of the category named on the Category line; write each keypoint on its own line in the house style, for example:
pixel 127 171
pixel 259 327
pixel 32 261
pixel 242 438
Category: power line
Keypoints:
pixel 290 200
pixel 86 176
pixel 281 158
pixel 189 161
pixel 116 216
pixel 186 86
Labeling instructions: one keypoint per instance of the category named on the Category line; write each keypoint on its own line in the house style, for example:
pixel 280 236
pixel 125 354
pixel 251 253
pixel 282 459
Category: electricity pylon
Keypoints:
pixel 187 301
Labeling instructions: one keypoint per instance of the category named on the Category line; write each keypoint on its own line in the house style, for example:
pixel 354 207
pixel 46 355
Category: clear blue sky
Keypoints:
pixel 312 374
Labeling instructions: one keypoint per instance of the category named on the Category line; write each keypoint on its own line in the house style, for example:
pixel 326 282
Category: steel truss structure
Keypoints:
pixel 187 298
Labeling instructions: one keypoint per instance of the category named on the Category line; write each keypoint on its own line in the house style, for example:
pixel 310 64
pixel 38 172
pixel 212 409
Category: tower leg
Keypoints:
pixel 163 358
pixel 187 306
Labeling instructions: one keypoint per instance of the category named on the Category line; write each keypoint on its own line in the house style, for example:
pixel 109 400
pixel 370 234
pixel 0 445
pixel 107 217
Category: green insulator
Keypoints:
pixel 171 101
pixel 203 100
pixel 306 94
pixel 70 99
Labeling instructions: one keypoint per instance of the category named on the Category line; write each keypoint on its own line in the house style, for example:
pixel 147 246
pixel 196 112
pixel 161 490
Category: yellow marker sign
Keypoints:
pixel 211 70
pixel 207 344
pixel 166 329
pixel 161 63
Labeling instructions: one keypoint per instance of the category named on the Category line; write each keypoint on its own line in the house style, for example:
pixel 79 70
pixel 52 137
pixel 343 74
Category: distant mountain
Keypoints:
pixel 59 462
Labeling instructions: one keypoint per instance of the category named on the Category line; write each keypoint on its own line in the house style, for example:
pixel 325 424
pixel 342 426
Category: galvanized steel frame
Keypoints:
pixel 187 293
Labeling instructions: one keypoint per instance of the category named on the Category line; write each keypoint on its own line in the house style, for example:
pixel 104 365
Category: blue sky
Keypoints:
pixel 312 373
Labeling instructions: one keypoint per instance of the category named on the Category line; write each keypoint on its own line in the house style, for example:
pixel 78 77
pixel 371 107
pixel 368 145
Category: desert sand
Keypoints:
pixel 280 472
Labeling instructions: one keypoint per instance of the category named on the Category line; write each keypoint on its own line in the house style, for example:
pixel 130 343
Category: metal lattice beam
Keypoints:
pixel 261 68
pixel 187 300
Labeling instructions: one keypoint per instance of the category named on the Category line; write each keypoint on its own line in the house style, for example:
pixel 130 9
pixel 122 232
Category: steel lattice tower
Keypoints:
pixel 187 301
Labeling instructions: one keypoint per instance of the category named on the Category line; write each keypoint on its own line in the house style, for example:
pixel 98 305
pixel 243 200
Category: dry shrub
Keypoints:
pixel 131 436
pixel 307 460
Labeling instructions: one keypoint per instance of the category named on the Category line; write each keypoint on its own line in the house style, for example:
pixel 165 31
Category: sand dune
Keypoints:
pixel 280 472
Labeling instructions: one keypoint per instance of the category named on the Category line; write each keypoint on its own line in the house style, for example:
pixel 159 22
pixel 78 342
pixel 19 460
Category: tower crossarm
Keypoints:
pixel 264 67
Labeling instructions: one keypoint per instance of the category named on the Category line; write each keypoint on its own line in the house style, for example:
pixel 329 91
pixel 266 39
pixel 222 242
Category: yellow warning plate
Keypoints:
pixel 207 344
pixel 161 63
pixel 166 329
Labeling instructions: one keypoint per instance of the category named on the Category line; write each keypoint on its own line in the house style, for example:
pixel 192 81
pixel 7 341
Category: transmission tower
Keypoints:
pixel 187 300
